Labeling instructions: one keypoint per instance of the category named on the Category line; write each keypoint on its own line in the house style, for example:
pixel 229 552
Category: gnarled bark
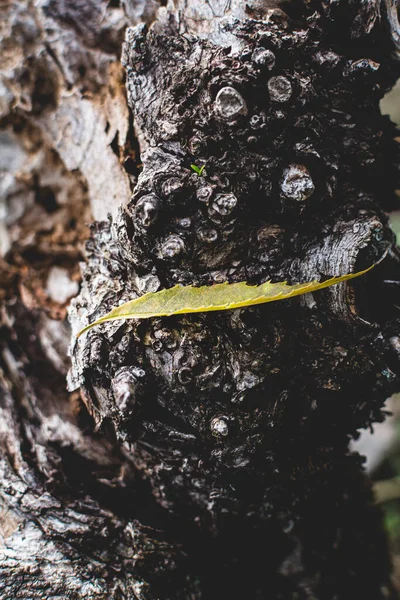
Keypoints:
pixel 200 456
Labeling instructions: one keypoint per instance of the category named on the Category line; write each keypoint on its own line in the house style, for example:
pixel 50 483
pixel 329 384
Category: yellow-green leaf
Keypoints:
pixel 221 296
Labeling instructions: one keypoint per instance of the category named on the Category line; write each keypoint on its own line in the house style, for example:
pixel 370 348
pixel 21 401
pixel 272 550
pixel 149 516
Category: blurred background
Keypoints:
pixel 382 446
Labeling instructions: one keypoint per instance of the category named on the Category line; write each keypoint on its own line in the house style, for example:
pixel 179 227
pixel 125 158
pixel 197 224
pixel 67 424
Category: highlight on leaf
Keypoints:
pixel 221 296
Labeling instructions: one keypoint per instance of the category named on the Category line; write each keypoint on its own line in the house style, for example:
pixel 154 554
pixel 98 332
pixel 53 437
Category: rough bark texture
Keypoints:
pixel 203 456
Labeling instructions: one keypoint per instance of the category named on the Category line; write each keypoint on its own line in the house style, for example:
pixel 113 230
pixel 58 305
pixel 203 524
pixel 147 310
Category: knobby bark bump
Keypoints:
pixel 211 459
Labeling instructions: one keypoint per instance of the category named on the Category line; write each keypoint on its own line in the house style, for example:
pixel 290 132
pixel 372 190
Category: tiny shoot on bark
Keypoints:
pixel 198 170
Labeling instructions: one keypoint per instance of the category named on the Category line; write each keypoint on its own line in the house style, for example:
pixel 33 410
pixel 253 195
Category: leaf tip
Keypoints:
pixel 84 330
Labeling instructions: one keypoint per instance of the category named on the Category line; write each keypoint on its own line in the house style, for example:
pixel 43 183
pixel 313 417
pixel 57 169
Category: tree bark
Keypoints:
pixel 200 456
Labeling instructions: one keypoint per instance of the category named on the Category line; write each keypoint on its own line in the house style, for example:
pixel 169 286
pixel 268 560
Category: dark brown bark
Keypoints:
pixel 202 456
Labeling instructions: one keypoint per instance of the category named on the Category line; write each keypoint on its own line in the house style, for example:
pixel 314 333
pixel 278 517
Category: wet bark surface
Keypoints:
pixel 198 456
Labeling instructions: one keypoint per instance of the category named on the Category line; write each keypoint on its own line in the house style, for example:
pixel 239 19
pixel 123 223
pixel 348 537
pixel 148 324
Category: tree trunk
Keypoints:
pixel 198 456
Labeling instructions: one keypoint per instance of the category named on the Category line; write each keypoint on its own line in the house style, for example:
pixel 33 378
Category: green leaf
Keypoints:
pixel 221 296
pixel 198 170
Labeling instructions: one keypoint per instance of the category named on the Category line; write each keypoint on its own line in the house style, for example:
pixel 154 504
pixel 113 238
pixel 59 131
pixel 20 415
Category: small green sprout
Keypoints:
pixel 198 170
